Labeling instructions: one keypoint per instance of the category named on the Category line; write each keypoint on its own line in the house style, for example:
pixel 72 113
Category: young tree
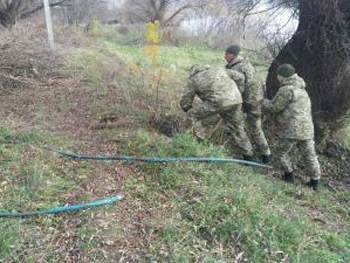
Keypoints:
pixel 165 11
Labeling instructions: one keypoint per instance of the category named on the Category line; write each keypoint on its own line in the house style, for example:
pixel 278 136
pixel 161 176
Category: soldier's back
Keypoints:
pixel 215 86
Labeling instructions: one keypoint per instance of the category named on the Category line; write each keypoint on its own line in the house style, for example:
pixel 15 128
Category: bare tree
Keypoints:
pixel 275 42
pixel 221 22
pixel 165 11
pixel 31 7
pixel 14 10
pixel 9 11
pixel 76 10
pixel 320 51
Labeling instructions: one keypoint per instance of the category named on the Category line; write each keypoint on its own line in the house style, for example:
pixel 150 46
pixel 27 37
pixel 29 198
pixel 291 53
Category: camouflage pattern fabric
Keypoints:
pixel 253 125
pixel 293 107
pixel 211 85
pixel 244 74
pixel 238 78
pixel 308 153
pixel 234 120
pixel 219 95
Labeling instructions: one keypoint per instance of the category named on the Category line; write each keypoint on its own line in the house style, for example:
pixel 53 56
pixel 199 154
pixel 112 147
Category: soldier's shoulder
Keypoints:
pixel 245 65
pixel 198 68
pixel 285 90
pixel 286 87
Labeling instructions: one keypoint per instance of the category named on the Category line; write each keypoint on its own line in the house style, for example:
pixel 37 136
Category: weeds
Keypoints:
pixel 173 212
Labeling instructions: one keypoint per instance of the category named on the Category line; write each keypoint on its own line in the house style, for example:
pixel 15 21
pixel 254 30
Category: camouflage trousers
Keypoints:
pixel 307 151
pixel 253 126
pixel 234 118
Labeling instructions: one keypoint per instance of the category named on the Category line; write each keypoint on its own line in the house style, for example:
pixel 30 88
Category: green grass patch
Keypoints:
pixel 344 134
pixel 9 238
pixel 229 205
pixel 92 63
pixel 173 212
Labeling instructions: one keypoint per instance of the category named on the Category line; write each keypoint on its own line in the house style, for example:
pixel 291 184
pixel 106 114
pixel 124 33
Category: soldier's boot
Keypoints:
pixel 248 158
pixel 265 158
pixel 312 184
pixel 288 177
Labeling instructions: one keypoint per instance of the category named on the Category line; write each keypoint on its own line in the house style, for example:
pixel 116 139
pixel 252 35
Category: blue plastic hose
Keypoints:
pixel 64 209
pixel 77 156
pixel 152 160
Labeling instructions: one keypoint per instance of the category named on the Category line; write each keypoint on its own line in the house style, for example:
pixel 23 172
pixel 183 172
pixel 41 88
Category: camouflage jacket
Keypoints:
pixel 211 85
pixel 244 74
pixel 293 107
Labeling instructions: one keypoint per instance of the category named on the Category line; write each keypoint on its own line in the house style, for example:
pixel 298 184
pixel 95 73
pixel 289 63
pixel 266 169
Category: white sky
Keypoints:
pixel 115 3
pixel 280 20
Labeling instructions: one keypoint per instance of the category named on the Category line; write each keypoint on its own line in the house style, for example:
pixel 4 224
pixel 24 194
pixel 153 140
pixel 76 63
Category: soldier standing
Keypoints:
pixel 219 95
pixel 293 108
pixel 244 74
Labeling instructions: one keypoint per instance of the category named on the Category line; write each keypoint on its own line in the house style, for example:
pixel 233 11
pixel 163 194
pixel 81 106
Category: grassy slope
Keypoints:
pixel 172 212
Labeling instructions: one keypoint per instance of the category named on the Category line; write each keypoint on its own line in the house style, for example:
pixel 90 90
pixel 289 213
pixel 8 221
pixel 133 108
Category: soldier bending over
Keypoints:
pixel 219 95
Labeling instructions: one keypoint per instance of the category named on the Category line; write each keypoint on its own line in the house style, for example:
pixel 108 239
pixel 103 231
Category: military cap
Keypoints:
pixel 285 70
pixel 234 49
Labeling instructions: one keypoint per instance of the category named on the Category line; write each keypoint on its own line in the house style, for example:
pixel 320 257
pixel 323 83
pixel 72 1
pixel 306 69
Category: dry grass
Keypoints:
pixel 171 213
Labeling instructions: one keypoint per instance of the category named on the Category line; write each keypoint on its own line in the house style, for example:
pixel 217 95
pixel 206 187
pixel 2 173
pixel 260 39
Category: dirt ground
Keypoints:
pixel 37 107
pixel 39 92
pixel 39 95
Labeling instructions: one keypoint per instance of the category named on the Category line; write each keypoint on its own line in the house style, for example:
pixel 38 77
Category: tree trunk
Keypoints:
pixel 8 12
pixel 320 52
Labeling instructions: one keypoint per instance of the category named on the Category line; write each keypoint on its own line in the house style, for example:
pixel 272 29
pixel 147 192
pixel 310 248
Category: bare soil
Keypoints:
pixel 39 93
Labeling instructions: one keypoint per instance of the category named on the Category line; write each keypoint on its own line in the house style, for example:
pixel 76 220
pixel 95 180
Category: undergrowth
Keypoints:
pixel 172 212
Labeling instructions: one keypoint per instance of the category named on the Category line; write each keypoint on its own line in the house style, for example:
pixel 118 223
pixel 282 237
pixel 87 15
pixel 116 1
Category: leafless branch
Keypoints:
pixel 38 8
pixel 180 10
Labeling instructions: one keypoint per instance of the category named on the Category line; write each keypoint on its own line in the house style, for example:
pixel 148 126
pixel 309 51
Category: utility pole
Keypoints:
pixel 49 24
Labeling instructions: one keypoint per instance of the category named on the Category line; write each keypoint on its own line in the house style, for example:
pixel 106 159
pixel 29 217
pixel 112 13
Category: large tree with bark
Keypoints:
pixel 320 52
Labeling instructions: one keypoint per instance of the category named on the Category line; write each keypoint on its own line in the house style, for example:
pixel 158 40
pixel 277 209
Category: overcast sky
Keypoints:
pixel 280 20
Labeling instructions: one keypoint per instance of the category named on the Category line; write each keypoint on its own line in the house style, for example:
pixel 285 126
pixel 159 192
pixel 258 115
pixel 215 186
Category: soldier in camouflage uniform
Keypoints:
pixel 244 74
pixel 293 108
pixel 219 95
